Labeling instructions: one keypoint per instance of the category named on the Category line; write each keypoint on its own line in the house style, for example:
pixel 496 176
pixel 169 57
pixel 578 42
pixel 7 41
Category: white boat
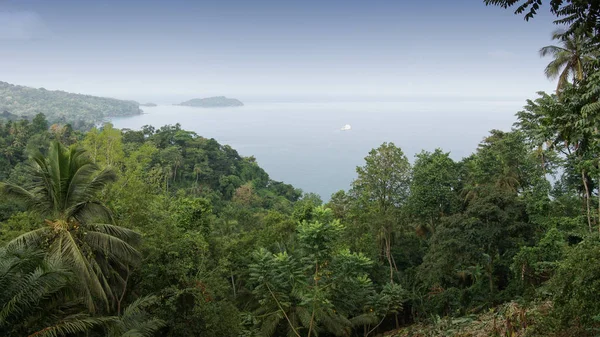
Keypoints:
pixel 346 127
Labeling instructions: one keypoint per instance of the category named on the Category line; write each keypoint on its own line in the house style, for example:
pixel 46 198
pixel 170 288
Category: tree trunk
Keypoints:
pixel 312 316
pixel 233 285
pixel 388 253
pixel 490 272
pixel 587 199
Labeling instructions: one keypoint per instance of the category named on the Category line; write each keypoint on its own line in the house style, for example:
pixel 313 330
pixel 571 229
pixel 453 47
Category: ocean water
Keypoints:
pixel 302 144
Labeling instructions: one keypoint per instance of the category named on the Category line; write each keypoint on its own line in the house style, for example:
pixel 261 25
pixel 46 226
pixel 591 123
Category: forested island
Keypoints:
pixel 212 102
pixel 148 104
pixel 81 111
pixel 162 232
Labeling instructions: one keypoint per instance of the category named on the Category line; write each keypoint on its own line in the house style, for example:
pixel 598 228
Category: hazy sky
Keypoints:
pixel 283 48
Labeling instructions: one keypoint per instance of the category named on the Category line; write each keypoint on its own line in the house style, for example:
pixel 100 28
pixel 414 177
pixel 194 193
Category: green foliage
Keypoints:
pixel 61 107
pixel 381 191
pixel 19 137
pixel 34 297
pixel 317 288
pixel 467 262
pixel 468 253
pixel 228 251
pixel 78 230
pixel 571 59
pixel 135 321
pixel 433 189
pixel 578 14
pixel 318 239
pixel 385 178
pixel 573 289
pixel 535 265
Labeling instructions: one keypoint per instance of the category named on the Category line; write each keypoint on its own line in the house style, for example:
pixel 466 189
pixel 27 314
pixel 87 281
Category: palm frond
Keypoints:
pixel 558 34
pixel 113 247
pixel 364 319
pixel 43 186
pixel 552 50
pixel 73 192
pixel 18 193
pixel 135 321
pixel 554 68
pixel 30 239
pixel 32 289
pixel 72 325
pixel 74 257
pixel 563 79
pixel 139 305
pixel 100 270
pixel 127 235
pixel 103 178
pixel 89 211
pixel 147 328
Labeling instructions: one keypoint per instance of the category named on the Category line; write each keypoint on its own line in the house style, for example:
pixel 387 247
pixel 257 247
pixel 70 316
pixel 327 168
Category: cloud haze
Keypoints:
pixel 266 48
pixel 21 26
pixel 502 54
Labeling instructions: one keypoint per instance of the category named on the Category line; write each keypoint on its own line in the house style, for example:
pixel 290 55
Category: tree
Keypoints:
pixel 382 187
pixel 577 278
pixel 504 160
pixel 315 289
pixel 562 125
pixel 465 264
pixel 434 188
pixel 571 59
pixel 135 321
pixel 579 14
pixel 34 297
pixel 39 123
pixel 78 228
pixel 105 145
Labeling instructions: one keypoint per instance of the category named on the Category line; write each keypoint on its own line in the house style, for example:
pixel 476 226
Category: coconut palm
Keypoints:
pixel 570 59
pixel 78 229
pixel 35 299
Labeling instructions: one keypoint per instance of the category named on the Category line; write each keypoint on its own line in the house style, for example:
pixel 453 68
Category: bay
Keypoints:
pixel 302 144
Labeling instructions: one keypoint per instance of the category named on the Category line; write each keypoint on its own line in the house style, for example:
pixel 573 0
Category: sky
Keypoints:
pixel 263 49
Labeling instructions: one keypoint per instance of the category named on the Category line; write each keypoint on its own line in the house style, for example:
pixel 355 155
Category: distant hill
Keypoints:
pixel 148 104
pixel 212 102
pixel 62 107
pixel 7 116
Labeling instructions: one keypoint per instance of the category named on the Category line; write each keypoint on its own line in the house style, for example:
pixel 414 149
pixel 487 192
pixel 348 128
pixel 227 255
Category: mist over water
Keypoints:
pixel 302 144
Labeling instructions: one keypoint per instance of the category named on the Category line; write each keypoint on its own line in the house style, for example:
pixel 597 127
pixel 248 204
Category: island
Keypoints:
pixel 148 104
pixel 212 102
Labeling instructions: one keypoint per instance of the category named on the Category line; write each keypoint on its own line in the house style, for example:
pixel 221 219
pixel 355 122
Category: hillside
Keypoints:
pixel 80 110
pixel 213 102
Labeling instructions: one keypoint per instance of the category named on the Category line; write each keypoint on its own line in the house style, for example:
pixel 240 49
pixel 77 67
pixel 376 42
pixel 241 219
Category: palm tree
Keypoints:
pixel 34 298
pixel 79 229
pixel 570 59
pixel 135 321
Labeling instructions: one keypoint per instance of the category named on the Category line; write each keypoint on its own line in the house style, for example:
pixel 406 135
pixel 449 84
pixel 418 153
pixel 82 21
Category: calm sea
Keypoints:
pixel 302 144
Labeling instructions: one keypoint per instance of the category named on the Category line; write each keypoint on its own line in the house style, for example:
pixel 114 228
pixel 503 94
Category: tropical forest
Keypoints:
pixel 163 232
